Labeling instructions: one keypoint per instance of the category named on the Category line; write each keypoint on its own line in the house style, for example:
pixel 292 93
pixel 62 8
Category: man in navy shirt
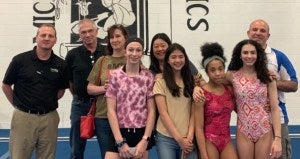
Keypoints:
pixel 80 61
pixel 39 79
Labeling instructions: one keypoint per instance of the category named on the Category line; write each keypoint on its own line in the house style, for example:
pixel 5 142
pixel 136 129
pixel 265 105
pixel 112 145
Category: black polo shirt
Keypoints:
pixel 80 62
pixel 36 82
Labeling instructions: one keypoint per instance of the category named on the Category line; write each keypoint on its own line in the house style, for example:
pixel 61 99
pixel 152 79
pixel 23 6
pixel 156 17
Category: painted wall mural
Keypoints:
pixel 130 13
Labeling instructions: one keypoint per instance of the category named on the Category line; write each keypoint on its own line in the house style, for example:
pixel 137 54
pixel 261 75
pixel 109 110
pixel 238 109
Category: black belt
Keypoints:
pixel 37 112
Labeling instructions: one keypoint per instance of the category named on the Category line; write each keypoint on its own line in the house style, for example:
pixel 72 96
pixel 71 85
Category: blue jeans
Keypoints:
pixel 104 135
pixel 168 148
pixel 77 144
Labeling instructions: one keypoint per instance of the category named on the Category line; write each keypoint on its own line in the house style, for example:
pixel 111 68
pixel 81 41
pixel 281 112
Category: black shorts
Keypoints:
pixel 132 135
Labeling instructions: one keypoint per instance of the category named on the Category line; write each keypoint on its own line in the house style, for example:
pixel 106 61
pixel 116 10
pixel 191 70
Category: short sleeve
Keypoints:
pixel 11 74
pixel 112 89
pixel 159 87
pixel 150 85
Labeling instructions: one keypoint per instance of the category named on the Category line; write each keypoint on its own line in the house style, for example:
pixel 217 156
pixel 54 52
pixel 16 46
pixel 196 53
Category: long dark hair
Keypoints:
pixel 186 73
pixel 110 33
pixel 260 64
pixel 154 64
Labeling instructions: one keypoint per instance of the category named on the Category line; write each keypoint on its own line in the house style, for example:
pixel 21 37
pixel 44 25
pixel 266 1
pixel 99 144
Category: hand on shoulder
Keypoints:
pixel 158 76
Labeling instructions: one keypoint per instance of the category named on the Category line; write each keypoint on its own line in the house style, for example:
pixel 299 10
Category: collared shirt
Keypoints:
pixel 36 82
pixel 280 64
pixel 80 62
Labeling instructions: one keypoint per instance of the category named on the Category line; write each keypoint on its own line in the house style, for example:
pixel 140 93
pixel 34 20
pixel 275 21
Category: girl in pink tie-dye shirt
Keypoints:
pixel 131 109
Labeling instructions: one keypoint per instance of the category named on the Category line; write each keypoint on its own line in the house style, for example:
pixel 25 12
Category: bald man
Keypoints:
pixel 286 79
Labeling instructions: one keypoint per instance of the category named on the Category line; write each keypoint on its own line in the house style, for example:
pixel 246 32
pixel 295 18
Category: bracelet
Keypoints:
pixel 278 136
pixel 120 144
pixel 146 138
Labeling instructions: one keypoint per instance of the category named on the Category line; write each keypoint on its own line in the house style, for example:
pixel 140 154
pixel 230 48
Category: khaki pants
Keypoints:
pixel 31 132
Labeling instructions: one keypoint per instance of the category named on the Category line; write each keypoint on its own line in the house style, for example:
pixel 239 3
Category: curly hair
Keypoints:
pixel 260 64
pixel 110 33
pixel 154 64
pixel 211 50
pixel 186 73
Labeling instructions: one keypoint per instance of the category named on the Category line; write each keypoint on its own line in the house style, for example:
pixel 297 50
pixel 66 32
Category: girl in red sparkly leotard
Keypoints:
pixel 212 117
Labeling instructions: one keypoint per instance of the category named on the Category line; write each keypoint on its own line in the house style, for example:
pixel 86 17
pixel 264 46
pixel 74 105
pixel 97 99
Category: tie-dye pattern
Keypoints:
pixel 131 94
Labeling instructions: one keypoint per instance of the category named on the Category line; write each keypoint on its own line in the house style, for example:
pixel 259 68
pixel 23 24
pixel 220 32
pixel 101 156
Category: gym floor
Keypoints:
pixel 92 149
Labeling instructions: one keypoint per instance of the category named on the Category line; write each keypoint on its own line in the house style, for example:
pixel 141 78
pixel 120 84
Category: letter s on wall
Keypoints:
pixel 200 21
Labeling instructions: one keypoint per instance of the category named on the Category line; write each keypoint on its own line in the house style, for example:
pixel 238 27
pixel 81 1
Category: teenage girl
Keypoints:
pixel 212 116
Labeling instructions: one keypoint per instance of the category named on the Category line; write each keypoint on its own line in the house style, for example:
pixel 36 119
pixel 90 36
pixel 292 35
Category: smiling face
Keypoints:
pixel 248 55
pixel 134 53
pixel 259 32
pixel 176 60
pixel 117 40
pixel 88 33
pixel 159 49
pixel 46 38
pixel 215 71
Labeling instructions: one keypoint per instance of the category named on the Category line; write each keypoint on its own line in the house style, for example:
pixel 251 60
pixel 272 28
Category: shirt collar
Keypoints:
pixel 98 48
pixel 35 57
pixel 268 49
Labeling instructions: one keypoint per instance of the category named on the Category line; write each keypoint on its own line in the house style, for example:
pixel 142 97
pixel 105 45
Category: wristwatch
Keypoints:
pixel 120 144
pixel 147 138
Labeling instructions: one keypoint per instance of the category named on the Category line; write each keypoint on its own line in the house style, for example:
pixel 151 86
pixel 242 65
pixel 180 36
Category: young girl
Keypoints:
pixel 212 117
pixel 175 125
pixel 159 44
pixel 258 131
pixel 130 104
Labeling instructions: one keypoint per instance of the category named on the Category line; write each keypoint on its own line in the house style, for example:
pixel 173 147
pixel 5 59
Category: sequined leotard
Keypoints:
pixel 217 113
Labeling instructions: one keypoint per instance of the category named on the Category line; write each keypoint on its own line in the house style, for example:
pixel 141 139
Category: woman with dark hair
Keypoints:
pixel 258 131
pixel 98 83
pixel 212 116
pixel 173 97
pixel 112 38
pixel 159 44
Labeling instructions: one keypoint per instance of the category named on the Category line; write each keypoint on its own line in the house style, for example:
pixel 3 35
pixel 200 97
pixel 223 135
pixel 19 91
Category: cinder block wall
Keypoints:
pixel 190 23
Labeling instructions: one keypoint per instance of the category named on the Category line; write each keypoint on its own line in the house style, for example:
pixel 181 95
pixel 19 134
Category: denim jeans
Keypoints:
pixel 168 148
pixel 77 144
pixel 104 135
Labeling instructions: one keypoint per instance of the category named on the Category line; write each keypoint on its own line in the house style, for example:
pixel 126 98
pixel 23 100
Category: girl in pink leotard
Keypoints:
pixel 212 117
pixel 254 90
